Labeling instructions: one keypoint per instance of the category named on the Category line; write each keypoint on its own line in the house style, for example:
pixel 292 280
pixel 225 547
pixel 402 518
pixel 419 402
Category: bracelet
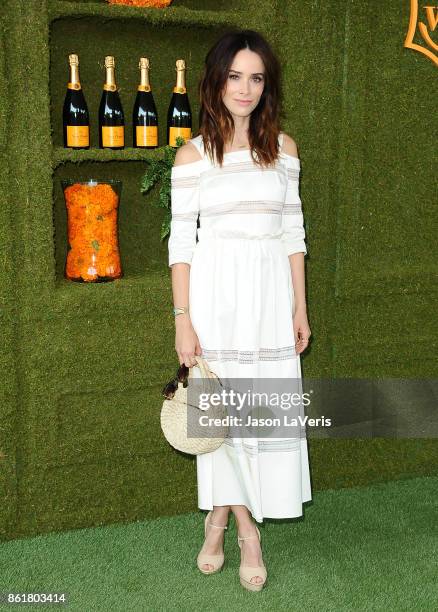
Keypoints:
pixel 180 310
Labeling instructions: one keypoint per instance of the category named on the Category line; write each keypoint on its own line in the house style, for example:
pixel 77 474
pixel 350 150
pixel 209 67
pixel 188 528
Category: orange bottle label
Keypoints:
pixel 113 136
pixel 185 133
pixel 78 136
pixel 146 135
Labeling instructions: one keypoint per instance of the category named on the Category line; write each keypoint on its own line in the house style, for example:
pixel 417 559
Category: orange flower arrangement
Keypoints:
pixel 92 232
pixel 144 3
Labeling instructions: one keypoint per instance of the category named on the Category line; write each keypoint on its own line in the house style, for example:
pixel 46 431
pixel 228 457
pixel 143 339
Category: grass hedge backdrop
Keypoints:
pixel 82 366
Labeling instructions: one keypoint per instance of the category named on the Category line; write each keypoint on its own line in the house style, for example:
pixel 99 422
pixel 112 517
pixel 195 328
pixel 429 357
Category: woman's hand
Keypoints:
pixel 186 341
pixel 301 330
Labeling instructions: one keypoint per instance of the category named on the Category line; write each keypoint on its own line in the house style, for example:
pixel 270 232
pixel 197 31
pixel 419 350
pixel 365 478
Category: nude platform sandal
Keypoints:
pixel 216 561
pixel 246 572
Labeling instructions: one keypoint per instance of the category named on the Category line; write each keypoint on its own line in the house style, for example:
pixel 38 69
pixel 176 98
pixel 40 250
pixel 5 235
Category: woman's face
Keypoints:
pixel 245 83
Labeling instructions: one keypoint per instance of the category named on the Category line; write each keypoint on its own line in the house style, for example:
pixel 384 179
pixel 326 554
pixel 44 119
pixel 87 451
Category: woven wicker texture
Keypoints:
pixel 177 412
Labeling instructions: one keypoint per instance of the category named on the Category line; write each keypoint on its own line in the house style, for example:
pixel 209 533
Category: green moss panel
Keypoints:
pixel 83 365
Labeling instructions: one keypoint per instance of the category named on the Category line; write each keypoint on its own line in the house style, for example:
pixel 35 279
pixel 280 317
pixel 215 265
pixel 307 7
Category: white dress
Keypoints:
pixel 241 306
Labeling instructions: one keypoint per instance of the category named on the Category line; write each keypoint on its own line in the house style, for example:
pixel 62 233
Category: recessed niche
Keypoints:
pixel 139 220
pixel 92 39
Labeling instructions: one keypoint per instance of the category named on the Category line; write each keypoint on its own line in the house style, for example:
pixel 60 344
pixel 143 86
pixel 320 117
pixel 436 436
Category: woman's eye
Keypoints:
pixel 236 76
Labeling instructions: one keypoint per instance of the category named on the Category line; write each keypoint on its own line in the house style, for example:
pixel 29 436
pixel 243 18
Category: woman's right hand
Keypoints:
pixel 186 341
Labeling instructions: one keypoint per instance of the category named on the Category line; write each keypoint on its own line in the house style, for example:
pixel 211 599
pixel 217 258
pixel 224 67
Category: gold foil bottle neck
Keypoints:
pixel 144 75
pixel 74 82
pixel 180 86
pixel 110 80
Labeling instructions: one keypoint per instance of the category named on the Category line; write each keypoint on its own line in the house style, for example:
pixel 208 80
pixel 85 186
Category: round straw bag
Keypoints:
pixel 176 413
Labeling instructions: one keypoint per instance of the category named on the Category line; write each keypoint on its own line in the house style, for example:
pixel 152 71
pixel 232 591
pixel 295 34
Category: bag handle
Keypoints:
pixel 203 366
pixel 209 380
pixel 184 373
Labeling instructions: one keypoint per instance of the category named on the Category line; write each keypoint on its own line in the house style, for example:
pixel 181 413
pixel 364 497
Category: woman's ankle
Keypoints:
pixel 220 515
pixel 245 527
pixel 244 520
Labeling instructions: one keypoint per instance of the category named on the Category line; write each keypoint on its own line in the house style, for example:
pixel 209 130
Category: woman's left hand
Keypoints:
pixel 301 331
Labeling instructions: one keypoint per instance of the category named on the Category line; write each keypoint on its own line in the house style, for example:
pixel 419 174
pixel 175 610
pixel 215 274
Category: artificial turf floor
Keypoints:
pixel 371 548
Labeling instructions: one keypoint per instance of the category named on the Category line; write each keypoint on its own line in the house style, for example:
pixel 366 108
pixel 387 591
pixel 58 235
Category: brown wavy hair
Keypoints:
pixel 216 124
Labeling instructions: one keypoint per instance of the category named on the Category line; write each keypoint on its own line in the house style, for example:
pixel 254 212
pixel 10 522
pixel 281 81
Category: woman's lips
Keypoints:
pixel 244 102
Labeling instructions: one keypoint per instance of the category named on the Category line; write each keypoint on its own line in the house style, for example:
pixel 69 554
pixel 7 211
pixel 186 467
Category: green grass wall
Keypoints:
pixel 82 366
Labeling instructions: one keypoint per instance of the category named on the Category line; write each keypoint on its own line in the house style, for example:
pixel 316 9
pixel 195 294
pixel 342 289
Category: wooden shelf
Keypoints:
pixel 172 15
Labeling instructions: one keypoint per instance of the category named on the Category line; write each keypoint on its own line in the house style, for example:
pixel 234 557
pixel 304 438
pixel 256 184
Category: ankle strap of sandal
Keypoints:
pixel 247 537
pixel 218 526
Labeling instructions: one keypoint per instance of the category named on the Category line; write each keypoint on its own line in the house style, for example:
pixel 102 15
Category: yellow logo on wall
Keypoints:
pixel 420 15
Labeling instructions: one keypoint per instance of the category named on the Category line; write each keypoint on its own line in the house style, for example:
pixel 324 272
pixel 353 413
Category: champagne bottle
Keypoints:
pixel 75 117
pixel 111 117
pixel 144 115
pixel 179 115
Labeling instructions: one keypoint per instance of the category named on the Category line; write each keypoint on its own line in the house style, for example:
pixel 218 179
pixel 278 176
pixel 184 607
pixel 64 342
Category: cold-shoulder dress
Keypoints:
pixel 241 302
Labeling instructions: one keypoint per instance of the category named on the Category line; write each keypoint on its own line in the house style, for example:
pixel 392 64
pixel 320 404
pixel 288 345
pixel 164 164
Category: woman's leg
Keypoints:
pixel 251 550
pixel 214 540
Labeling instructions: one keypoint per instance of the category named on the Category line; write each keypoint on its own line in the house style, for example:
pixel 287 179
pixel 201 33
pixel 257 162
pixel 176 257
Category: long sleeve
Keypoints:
pixel 185 210
pixel 292 216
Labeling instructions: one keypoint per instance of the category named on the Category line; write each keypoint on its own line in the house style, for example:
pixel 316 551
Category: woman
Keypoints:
pixel 242 285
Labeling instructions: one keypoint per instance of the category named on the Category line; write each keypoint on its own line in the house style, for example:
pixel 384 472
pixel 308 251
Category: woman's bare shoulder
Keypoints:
pixel 289 145
pixel 187 154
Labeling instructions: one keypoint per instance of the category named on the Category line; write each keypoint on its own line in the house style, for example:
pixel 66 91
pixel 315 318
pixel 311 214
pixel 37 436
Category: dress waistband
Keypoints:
pixel 204 232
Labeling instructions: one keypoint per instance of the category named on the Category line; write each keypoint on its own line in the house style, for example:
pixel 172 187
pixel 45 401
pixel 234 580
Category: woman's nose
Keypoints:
pixel 244 87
